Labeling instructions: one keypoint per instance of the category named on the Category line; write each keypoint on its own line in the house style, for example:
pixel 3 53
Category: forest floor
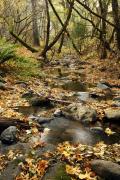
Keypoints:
pixel 57 144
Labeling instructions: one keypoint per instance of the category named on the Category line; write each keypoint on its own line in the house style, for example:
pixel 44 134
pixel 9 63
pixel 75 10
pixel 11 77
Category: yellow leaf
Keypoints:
pixel 109 132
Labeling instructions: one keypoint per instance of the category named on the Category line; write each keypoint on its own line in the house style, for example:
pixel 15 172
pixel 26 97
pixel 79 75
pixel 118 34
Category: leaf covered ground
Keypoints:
pixel 27 75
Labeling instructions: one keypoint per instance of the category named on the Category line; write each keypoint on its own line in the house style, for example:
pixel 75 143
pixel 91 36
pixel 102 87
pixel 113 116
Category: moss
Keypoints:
pixel 61 174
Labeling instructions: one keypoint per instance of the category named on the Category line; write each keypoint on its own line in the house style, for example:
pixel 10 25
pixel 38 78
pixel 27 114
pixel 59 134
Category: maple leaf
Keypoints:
pixel 42 165
pixel 109 132
pixel 72 170
pixel 87 176
pixel 38 144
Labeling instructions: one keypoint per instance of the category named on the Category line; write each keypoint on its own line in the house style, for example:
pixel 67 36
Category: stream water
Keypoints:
pixel 61 129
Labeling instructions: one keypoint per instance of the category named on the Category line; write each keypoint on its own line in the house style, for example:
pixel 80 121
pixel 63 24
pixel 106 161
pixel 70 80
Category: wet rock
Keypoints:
pixel 117 98
pixel 2 86
pixel 40 101
pixel 102 86
pixel 106 169
pixel 2 80
pixel 83 96
pixel 12 169
pixel 43 120
pixel 96 129
pixel 81 113
pixel 22 83
pixel 9 135
pixel 74 85
pixel 23 148
pixel 112 114
pixel 28 94
pixel 116 104
pixel 57 172
pixel 58 113
pixel 2 73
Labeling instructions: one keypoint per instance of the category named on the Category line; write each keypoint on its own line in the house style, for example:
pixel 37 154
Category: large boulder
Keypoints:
pixel 112 114
pixel 106 169
pixel 9 135
pixel 81 113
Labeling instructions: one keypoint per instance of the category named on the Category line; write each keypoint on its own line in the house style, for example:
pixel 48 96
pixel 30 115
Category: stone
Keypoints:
pixel 2 74
pixel 116 104
pixel 58 113
pixel 2 80
pixel 112 113
pixel 117 98
pixel 106 169
pixel 43 120
pixel 12 169
pixel 2 86
pixel 83 96
pixel 81 113
pixel 102 86
pixel 28 94
pixel 9 135
pixel 96 129
pixel 22 83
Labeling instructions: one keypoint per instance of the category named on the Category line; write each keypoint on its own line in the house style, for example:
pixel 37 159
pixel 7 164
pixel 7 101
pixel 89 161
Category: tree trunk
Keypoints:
pixel 61 43
pixel 67 32
pixel 62 29
pixel 43 54
pixel 36 40
pixel 116 17
pixel 103 11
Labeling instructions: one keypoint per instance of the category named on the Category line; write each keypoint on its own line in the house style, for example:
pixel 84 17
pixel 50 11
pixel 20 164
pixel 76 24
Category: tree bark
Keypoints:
pixel 36 40
pixel 116 17
pixel 103 12
pixel 43 54
pixel 61 43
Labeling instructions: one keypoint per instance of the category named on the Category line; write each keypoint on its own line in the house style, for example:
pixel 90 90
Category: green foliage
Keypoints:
pixel 24 68
pixel 79 30
pixel 7 51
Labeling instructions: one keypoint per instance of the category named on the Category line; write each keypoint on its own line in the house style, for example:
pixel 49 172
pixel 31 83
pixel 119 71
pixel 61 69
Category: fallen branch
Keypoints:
pixel 6 122
pixel 59 101
pixel 23 43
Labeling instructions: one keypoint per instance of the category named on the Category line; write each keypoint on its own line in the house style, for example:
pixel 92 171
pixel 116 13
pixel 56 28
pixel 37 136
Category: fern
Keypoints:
pixel 7 51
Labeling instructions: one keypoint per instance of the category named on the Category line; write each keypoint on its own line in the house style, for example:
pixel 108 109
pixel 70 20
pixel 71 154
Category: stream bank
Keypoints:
pixel 73 110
